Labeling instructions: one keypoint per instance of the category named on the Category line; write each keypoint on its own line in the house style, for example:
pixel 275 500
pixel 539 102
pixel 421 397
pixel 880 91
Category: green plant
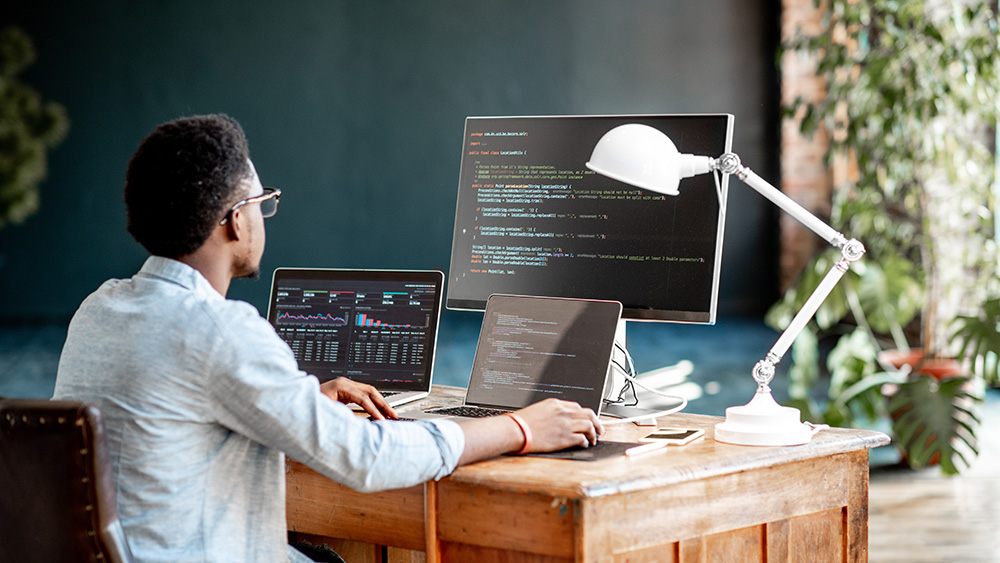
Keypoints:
pixel 29 127
pixel 979 336
pixel 936 421
pixel 912 88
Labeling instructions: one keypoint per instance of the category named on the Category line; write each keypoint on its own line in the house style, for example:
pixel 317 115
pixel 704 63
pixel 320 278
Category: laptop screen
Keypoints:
pixel 533 348
pixel 373 326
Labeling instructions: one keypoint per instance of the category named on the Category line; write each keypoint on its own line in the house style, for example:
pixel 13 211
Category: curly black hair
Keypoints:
pixel 181 180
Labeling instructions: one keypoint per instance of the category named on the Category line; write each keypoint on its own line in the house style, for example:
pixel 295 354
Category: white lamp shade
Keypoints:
pixel 644 157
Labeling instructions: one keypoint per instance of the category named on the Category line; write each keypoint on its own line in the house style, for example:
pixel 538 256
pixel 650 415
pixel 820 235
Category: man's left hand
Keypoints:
pixel 349 391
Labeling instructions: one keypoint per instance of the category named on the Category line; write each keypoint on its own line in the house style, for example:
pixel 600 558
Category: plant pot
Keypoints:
pixel 938 368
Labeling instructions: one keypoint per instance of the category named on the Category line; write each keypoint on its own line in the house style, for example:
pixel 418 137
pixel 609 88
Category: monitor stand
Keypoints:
pixel 649 408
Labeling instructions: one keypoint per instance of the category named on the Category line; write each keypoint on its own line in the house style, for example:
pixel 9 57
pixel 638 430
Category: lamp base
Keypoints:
pixel 763 422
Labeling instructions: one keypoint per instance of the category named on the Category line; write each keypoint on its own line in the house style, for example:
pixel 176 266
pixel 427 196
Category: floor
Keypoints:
pixel 915 516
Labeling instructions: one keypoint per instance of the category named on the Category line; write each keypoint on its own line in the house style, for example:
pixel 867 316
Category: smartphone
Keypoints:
pixel 674 436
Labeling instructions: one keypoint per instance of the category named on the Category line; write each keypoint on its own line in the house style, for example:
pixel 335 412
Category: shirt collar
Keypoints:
pixel 179 273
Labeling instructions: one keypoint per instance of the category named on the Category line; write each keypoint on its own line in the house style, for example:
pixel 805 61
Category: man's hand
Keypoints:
pixel 348 391
pixel 556 425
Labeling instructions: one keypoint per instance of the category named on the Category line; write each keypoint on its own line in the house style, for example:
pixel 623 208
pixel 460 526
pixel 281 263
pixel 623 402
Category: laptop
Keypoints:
pixel 532 348
pixel 373 326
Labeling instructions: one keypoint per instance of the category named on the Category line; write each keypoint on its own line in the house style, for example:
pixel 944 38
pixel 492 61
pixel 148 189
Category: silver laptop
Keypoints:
pixel 373 326
pixel 532 348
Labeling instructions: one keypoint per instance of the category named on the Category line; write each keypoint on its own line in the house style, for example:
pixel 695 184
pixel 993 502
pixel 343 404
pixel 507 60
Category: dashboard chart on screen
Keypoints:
pixel 375 331
pixel 532 219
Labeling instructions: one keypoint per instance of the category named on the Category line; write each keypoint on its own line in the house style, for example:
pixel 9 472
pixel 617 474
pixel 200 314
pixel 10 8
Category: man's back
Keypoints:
pixel 147 352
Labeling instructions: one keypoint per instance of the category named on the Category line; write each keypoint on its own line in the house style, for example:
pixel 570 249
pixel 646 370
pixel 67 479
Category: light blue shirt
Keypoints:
pixel 201 400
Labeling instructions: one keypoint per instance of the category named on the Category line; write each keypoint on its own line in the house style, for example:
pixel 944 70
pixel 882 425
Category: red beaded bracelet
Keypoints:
pixel 524 429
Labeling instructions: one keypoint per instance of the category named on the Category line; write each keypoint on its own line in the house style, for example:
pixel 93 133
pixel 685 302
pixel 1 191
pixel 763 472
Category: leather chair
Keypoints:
pixel 57 491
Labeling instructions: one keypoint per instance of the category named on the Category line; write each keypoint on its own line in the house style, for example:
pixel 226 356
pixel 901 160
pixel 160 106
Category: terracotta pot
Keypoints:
pixel 938 368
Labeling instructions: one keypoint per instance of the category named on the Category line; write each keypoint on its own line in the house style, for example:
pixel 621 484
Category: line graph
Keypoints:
pixel 317 319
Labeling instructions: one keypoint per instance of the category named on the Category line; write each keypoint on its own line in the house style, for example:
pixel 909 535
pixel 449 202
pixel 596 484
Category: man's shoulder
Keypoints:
pixel 238 323
pixel 233 312
pixel 136 302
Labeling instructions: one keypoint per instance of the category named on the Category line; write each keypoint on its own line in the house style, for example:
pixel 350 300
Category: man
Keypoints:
pixel 201 398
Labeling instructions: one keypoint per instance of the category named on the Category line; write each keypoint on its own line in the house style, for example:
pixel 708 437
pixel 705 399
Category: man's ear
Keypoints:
pixel 234 226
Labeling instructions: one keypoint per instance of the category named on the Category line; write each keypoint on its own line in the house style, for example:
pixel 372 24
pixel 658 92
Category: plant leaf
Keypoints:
pixel 935 422
pixel 980 340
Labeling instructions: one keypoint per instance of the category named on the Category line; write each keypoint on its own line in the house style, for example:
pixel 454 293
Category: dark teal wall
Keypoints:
pixel 355 109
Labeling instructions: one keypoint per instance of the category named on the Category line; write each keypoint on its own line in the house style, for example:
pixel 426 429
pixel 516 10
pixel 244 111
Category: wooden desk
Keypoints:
pixel 706 501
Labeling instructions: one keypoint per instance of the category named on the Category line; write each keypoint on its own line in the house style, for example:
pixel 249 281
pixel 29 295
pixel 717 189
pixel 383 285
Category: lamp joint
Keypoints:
pixel 729 163
pixel 852 250
pixel 763 371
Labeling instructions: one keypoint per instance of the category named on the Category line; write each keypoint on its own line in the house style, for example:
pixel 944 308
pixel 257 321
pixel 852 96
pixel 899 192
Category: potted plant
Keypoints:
pixel 911 91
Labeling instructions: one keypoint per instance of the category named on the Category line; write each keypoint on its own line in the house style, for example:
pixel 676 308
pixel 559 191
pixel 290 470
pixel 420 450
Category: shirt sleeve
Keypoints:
pixel 257 390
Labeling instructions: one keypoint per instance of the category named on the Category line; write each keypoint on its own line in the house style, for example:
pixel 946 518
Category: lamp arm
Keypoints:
pixel 729 163
pixel 851 251
pixel 763 371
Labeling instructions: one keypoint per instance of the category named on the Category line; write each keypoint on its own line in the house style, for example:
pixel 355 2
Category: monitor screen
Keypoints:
pixel 531 219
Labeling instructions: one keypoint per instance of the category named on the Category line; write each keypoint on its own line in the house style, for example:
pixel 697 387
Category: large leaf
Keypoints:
pixel 980 340
pixel 935 421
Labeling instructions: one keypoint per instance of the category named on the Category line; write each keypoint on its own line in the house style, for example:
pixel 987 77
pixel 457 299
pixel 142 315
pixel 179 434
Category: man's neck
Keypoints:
pixel 217 273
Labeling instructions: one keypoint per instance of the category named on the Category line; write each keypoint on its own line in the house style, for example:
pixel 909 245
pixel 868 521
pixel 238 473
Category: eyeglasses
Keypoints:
pixel 268 204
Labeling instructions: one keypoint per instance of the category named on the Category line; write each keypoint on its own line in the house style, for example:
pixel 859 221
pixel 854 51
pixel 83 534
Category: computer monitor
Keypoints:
pixel 531 218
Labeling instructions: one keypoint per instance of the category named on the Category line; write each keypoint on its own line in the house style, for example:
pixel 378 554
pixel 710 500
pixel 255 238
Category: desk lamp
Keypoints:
pixel 646 158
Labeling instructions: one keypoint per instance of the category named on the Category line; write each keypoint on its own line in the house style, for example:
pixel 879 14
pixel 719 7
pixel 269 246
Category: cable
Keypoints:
pixel 630 375
pixel 627 386
pixel 718 191
pixel 631 380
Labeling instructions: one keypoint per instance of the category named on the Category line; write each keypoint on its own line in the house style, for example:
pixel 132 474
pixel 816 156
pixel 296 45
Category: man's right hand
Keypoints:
pixel 556 425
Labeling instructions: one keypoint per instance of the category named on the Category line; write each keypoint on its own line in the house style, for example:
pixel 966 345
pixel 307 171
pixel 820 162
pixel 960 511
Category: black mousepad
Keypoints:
pixel 602 450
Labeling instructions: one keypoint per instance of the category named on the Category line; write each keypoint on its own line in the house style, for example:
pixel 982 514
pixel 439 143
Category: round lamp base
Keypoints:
pixel 763 422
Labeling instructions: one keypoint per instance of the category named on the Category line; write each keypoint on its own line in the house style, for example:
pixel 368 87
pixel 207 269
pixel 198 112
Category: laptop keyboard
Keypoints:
pixel 468 411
